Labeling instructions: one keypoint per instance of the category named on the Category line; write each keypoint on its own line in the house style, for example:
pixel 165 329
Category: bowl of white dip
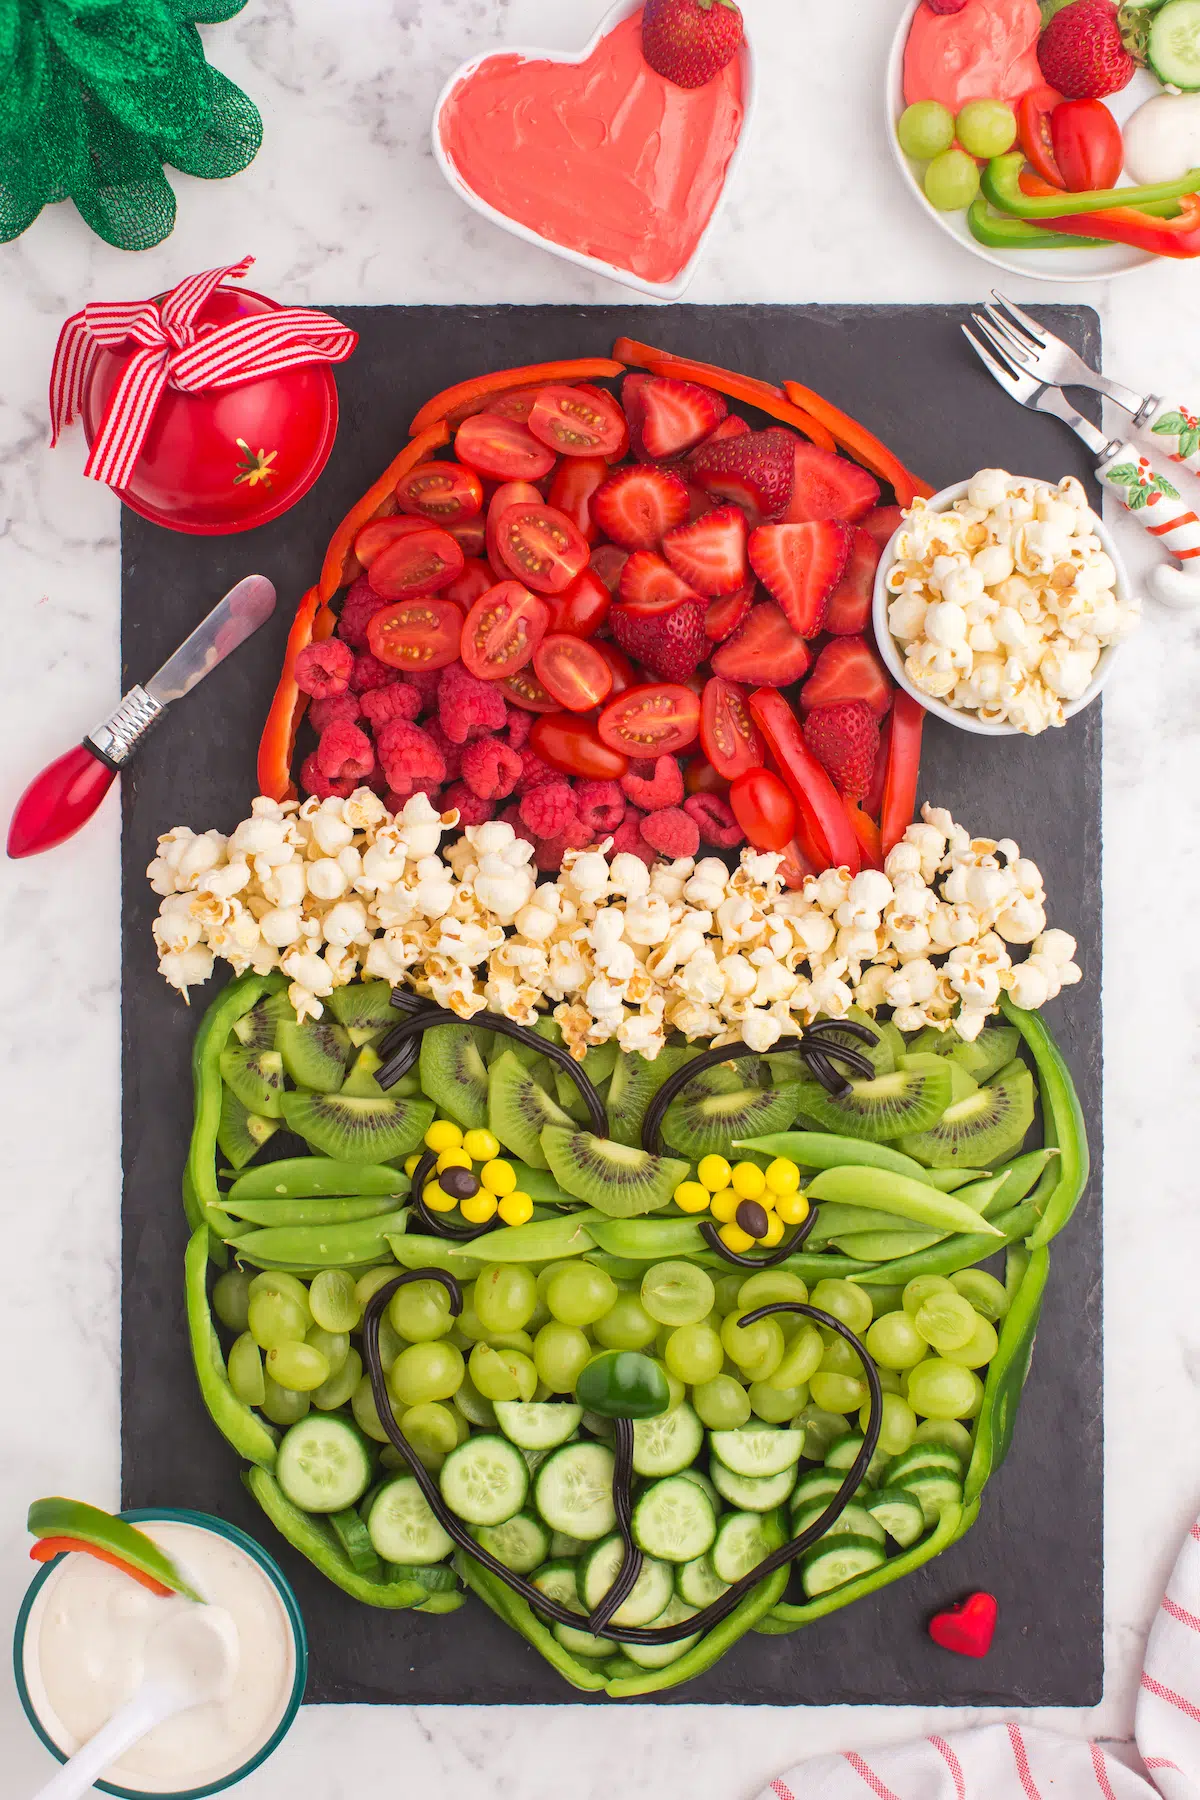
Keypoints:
pixel 79 1653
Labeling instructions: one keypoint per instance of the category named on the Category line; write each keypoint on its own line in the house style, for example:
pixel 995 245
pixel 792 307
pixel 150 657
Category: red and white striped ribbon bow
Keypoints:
pixel 1015 1762
pixel 173 352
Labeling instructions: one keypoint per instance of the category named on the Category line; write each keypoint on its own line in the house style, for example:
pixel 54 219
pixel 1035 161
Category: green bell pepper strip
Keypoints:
pixel 313 1177
pixel 622 1384
pixel 525 1622
pixel 786 1616
pixel 1064 1124
pixel 1000 231
pixel 825 1150
pixel 315 1540
pixel 241 1427
pixel 321 1246
pixel 897 1196
pixel 756 1607
pixel 61 1518
pixel 230 1005
pixel 1001 183
pixel 1002 1394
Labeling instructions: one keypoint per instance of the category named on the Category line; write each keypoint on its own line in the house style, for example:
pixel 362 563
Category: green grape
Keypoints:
pixel 428 1371
pixel 899 1424
pixel 947 1432
pixel 675 1387
pixel 770 1286
pixel 756 1349
pixel 662 1338
pixel 421 1311
pixel 502 1374
pixel 677 1293
pixel 538 1317
pixel 802 1357
pixel 231 1299
pixel 390 1343
pixel 979 1348
pixel 987 1295
pixel 837 1393
pixel 986 128
pixel 473 1407
pixel 560 1355
pixel 890 1380
pixel 338 1389
pixel 943 1390
pixel 820 1430
pixel 333 1301
pixel 277 1319
pixel 546 1275
pixel 895 1342
pixel 333 1345
pixel 510 1340
pixel 246 1370
pixel 722 1404
pixel 777 1405
pixel 272 1281
pixel 728 1289
pixel 369 1284
pixel 433 1432
pixel 886 1299
pixel 839 1359
pixel 842 1300
pixel 298 1367
pixel 951 181
pixel 946 1321
pixel 695 1354
pixel 626 1325
pixel 925 129
pixel 580 1294
pixel 283 1406
pixel 505 1296
pixel 366 1417
pixel 468 1323
pixel 920 1288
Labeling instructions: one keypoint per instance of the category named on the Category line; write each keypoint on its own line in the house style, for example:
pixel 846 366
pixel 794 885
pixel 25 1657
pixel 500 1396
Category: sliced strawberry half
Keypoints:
pixel 670 644
pixel 847 669
pixel 638 505
pixel 845 740
pixel 765 651
pixel 827 486
pixel 849 609
pixel 672 417
pixel 647 582
pixel 755 471
pixel 725 615
pixel 801 566
pixel 883 522
pixel 732 427
pixel 711 553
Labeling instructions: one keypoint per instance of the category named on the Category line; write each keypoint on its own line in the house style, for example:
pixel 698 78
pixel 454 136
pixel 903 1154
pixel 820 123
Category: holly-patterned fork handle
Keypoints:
pixel 1178 431
pixel 1153 501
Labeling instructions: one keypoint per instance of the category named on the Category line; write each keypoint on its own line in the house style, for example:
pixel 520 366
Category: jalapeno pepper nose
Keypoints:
pixel 623 1384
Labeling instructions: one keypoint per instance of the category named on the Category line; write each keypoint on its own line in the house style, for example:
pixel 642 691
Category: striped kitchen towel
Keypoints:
pixel 1015 1762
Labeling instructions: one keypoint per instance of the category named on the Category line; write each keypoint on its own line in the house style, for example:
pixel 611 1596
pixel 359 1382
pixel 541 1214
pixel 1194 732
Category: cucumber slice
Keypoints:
pixel 697 1581
pixel 582 1643
pixel 563 1545
pixel 543 1425
pixel 900 1513
pixel 402 1527
pixel 758 1449
pixel 836 1560
pixel 752 1493
pixel 660 1656
pixel 818 1485
pixel 573 1491
pixel 323 1465
pixel 701 1480
pixel 521 1543
pixel 934 1489
pixel 854 1519
pixel 743 1540
pixel 1173 51
pixel 355 1540
pixel 668 1443
pixel 842 1452
pixel 674 1521
pixel 485 1480
pixel 557 1580
pixel 924 1457
pixel 651 1591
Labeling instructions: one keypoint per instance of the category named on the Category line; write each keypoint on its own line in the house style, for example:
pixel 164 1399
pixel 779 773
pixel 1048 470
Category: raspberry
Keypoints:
pixel 368 672
pixel 426 683
pixel 320 786
pixel 491 770
pixel 672 832
pixel 520 724
pixel 344 753
pixel 396 803
pixel 549 852
pixel 534 772
pixel 549 810
pixel 452 754
pixel 410 758
pixel 338 709
pixel 664 788
pixel 360 605
pixel 467 707
pixel 323 670
pixel 473 809
pixel 601 806
pixel 718 826
pixel 397 701
pixel 628 839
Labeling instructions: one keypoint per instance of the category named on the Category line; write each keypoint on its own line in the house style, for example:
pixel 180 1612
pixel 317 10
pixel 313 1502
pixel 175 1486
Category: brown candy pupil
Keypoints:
pixel 460 1184
pixel 753 1219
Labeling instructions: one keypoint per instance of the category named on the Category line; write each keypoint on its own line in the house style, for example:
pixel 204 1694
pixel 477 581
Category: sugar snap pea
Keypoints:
pixel 348 1210
pixel 545 1240
pixel 887 1246
pixel 315 1539
pixel 896 1194
pixel 1063 1123
pixel 243 1428
pixel 646 1240
pixel 825 1150
pixel 322 1246
pixel 414 1251
pixel 1015 1181
pixel 300 1177
pixel 950 1180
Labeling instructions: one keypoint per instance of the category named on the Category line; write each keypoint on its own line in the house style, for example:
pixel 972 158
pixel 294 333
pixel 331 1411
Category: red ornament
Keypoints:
pixel 968 1628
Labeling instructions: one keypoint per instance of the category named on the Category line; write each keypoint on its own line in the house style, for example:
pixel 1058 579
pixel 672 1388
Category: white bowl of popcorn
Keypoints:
pixel 1000 603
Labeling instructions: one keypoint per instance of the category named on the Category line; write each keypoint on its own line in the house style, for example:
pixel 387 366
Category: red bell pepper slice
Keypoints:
pixel 313 623
pixel 746 388
pixel 867 832
pixel 1088 147
pixel 903 768
pixel 862 444
pixel 1178 237
pixel 823 830
pixel 454 404
pixel 341 565
pixel 1034 110
pixel 46 1549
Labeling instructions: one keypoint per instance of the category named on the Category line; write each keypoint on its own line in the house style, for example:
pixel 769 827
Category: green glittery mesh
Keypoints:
pixel 96 95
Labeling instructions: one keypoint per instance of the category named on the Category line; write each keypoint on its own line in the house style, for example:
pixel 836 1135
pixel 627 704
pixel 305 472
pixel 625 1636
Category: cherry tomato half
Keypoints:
pixel 701 778
pixel 1033 131
pixel 728 735
pixel 574 423
pixel 624 675
pixel 502 449
pixel 659 719
pixel 466 588
pixel 518 404
pixel 380 533
pixel 442 491
pixel 470 535
pixel 573 671
pixel 619 451
pixel 525 690
pixel 575 481
pixel 416 634
pixel 502 630
pixel 540 546
pixel 511 493
pixel 764 809
pixel 418 563
pixel 582 608
pixel 573 746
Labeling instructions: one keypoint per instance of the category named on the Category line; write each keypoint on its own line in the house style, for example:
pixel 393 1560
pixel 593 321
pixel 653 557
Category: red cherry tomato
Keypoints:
pixel 470 535
pixel 525 690
pixel 380 533
pixel 419 563
pixel 516 405
pixel 624 675
pixel 1087 144
pixel 466 588
pixel 502 630
pixel 728 735
pixel 621 450
pixel 511 493
pixel 573 671
pixel 582 608
pixel 574 423
pixel 416 634
pixel 659 719
pixel 1033 131
pixel 701 778
pixel 764 809
pixel 573 746
pixel 608 562
pixel 502 449
pixel 575 481
pixel 442 491
pixel 540 546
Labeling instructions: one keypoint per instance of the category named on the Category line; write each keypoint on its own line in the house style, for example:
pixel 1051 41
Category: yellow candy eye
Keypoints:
pixel 498 1178
pixel 481 1145
pixel 452 1159
pixel 437 1200
pixel 412 1163
pixel 783 1177
pixel 443 1134
pixel 735 1239
pixel 714 1173
pixel 774 1233
pixel 791 1208
pixel 516 1209
pixel 479 1208
pixel 725 1205
pixel 748 1180
pixel 692 1197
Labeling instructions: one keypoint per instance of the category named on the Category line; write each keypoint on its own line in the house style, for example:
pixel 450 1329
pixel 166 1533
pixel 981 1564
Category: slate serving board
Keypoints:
pixel 1038 1545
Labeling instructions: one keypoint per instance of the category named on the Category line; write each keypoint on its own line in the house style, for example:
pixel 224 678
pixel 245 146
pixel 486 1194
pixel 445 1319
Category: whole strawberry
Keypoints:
pixel 690 41
pixel 1082 54
pixel 672 645
pixel 845 740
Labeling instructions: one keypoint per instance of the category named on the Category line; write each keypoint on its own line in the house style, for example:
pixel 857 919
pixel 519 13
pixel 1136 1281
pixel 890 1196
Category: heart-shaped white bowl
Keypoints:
pixel 670 290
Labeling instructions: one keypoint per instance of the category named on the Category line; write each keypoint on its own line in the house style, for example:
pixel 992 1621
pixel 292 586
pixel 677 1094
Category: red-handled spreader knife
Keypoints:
pixel 63 797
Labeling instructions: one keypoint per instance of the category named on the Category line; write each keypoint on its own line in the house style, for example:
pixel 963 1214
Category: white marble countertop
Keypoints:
pixel 344 204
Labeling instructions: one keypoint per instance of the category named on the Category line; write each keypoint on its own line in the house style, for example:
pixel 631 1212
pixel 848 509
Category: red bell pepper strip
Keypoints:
pixel 1088 147
pixel 746 388
pixel 1178 237
pixel 313 622
pixel 1033 132
pixel 903 768
pixel 861 444
pixel 454 404
pixel 867 832
pixel 873 803
pixel 341 565
pixel 46 1549
pixel 824 832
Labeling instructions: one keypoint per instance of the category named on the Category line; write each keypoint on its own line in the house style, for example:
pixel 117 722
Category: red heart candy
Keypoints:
pixel 967 1629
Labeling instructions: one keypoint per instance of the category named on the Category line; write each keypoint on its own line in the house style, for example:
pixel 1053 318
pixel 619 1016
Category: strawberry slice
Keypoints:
pixel 650 584
pixel 755 471
pixel 765 652
pixel 849 610
pixel 711 553
pixel 827 486
pixel 882 523
pixel 669 418
pixel 844 738
pixel 732 427
pixel 847 669
pixel 801 566
pixel 637 505
pixel 670 644
pixel 724 616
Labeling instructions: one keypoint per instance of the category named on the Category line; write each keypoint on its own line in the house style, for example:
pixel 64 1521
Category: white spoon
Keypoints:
pixel 190 1658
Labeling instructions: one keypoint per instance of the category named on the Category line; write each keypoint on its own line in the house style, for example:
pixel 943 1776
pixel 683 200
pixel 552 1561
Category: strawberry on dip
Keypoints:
pixel 690 41
pixel 985 51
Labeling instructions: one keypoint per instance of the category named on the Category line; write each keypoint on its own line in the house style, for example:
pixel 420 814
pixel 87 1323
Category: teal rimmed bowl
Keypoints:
pixel 219 1528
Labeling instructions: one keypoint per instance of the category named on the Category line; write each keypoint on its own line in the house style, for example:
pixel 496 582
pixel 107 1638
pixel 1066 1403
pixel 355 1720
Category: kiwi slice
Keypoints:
pixel 355 1128
pixel 315 1052
pixel 365 1009
pixel 361 1082
pixel 241 1133
pixel 256 1029
pixel 986 1127
pixel 635 1081
pixel 983 1057
pixel 614 1178
pixel 885 1107
pixel 256 1077
pixel 701 1122
pixel 454 1075
pixel 519 1109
